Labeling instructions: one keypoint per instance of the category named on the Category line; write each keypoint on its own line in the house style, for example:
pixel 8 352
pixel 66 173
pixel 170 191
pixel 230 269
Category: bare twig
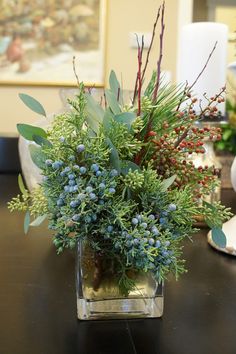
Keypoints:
pixel 74 69
pixel 185 133
pixel 138 76
pixel 151 43
pixel 140 54
pixel 160 53
pixel 204 67
pixel 188 89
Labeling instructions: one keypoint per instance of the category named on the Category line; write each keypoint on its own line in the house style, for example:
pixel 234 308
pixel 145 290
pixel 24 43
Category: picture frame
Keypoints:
pixel 52 42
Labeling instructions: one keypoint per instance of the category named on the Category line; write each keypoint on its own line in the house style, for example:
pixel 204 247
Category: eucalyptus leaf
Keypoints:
pixel 32 104
pixel 128 165
pixel 218 237
pixel 112 102
pixel 41 141
pixel 166 183
pixel 94 111
pixel 114 156
pixel 21 185
pixel 37 156
pixel 28 131
pixel 114 84
pixel 26 222
pixel 107 120
pixel 126 118
pixel 38 221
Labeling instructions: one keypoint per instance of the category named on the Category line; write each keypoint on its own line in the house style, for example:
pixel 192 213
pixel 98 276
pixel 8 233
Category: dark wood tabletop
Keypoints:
pixel 38 300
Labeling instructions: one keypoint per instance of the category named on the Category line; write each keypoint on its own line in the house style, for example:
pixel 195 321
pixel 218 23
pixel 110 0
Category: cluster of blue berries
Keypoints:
pixel 145 243
pixel 85 192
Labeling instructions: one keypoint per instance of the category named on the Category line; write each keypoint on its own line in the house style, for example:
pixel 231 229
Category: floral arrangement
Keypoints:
pixel 116 174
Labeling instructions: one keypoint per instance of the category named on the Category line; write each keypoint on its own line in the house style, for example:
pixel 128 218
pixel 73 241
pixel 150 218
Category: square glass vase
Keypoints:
pixel 99 296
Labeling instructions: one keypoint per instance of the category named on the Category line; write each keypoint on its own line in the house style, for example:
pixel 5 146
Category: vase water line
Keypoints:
pixel 102 299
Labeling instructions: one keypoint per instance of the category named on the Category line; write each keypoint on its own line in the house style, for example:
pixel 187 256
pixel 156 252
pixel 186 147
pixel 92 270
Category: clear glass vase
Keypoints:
pixel 99 295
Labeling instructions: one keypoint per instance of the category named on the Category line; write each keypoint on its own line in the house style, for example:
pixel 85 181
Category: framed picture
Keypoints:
pixel 40 41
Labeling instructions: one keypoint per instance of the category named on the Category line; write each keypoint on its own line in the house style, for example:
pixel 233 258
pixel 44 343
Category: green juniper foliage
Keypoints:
pixel 117 176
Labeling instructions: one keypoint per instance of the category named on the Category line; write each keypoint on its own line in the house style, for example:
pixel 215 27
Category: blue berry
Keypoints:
pixel 110 228
pixel 172 207
pixel 167 243
pixel 60 202
pixel 165 253
pixel 112 190
pixel 89 189
pixel 83 170
pixel 94 217
pixel 67 169
pixel 129 243
pixel 76 217
pixel 81 196
pixel 101 202
pixel 71 189
pixel 158 244
pixel 147 233
pixel 62 139
pixel 164 213
pixel 76 167
pixel 155 231
pixel 66 188
pixel 62 173
pixel 144 225
pixel 114 173
pixel 75 188
pixel 88 219
pixel 134 221
pixel 151 241
pixel 92 196
pixel 102 186
pixel 56 165
pixel 162 220
pixel 80 148
pixel 48 162
pixel 71 182
pixel 71 158
pixel 139 217
pixel 98 173
pixel 168 261
pixel 136 241
pixel 73 203
pixel 151 217
pixel 94 167
pixel 71 176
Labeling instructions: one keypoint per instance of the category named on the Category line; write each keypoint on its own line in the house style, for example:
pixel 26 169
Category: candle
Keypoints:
pixel 196 44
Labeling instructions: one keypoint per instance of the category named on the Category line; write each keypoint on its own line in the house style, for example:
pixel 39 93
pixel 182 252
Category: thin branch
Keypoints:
pixel 204 67
pixel 185 133
pixel 140 54
pixel 160 53
pixel 188 89
pixel 151 43
pixel 74 69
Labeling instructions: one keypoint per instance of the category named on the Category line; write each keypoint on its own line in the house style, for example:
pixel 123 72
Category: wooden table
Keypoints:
pixel 38 302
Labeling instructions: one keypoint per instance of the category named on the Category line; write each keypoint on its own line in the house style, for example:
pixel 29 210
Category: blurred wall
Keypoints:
pixel 123 17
